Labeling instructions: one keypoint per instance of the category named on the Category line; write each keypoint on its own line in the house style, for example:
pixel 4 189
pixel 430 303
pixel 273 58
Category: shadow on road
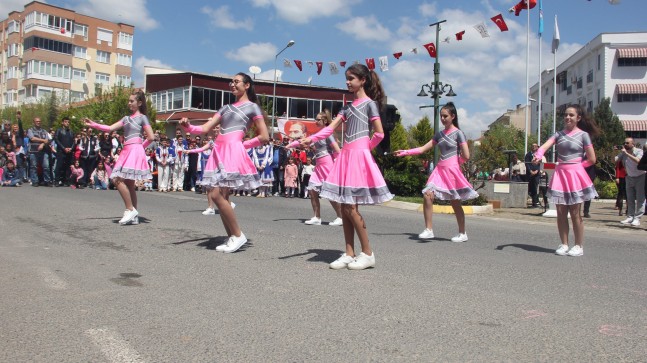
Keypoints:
pixel 526 247
pixel 319 255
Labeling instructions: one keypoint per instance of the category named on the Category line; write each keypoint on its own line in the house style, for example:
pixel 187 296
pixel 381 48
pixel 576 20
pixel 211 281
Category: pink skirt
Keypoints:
pixel 447 182
pixel 322 169
pixel 355 177
pixel 229 165
pixel 570 185
pixel 131 164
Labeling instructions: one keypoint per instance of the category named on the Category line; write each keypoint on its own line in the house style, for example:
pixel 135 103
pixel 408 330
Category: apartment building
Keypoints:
pixel 612 65
pixel 47 49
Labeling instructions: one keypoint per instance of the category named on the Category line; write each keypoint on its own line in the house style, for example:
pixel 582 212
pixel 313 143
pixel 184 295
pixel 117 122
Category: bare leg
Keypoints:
pixel 357 225
pixel 226 212
pixel 578 225
pixel 460 215
pixel 314 202
pixel 133 192
pixel 336 207
pixel 428 209
pixel 562 222
pixel 124 192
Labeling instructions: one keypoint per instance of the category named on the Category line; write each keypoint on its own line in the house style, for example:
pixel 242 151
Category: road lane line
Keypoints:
pixel 114 346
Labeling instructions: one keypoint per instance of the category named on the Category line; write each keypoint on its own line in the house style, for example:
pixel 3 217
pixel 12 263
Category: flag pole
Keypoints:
pixel 555 47
pixel 541 31
pixel 525 145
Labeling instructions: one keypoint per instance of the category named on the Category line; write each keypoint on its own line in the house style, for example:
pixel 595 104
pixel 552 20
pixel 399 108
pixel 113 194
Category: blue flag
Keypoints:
pixel 541 18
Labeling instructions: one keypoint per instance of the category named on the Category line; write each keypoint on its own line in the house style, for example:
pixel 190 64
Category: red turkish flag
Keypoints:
pixel 397 55
pixel 319 66
pixel 498 20
pixel 370 63
pixel 342 63
pixel 298 64
pixel 459 35
pixel 431 48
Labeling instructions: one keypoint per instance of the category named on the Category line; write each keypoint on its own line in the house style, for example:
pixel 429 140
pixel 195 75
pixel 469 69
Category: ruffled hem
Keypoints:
pixel 230 180
pixel 451 194
pixel 314 186
pixel 355 195
pixel 131 174
pixel 570 198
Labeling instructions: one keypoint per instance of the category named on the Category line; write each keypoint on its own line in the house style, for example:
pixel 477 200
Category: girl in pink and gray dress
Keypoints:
pixel 447 181
pixel 355 177
pixel 229 166
pixel 570 185
pixel 132 164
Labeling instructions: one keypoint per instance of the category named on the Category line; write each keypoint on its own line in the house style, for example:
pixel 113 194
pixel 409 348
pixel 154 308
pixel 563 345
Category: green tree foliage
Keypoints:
pixel 612 134
pixel 489 154
pixel 51 107
pixel 422 132
pixel 399 138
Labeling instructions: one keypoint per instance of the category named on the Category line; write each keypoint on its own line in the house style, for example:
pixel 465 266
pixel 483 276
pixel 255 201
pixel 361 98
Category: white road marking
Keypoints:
pixel 114 346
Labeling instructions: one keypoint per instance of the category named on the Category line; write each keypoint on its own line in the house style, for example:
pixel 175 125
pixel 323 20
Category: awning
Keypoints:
pixel 634 125
pixel 632 88
pixel 632 53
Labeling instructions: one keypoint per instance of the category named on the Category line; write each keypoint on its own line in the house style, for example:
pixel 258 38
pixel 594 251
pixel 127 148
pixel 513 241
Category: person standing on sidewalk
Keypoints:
pixel 447 181
pixel 634 182
pixel 533 174
pixel 570 185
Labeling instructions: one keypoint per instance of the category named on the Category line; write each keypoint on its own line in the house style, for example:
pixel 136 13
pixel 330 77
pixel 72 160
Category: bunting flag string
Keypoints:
pixel 384 63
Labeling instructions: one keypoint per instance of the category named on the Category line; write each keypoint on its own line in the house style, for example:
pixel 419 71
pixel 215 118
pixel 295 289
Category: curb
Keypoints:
pixel 442 209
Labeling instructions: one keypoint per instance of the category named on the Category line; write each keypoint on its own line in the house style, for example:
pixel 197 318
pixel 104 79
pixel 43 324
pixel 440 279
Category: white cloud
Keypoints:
pixel 427 9
pixel 269 75
pixel 7 6
pixel 365 28
pixel 222 18
pixel 132 12
pixel 304 11
pixel 138 69
pixel 253 53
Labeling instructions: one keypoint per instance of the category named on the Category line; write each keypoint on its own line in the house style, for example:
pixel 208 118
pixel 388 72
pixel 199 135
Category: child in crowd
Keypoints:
pixel 262 156
pixel 447 181
pixel 99 177
pixel 355 177
pixel 10 176
pixel 76 175
pixel 306 172
pixel 290 177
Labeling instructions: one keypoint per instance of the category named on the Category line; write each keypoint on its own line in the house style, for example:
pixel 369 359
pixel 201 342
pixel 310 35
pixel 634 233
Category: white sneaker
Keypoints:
pixel 129 215
pixel 337 222
pixel 627 221
pixel 222 247
pixel 233 205
pixel 135 220
pixel 313 221
pixel 235 243
pixel 635 222
pixel 342 262
pixel 461 237
pixel 426 234
pixel 363 261
pixel 576 251
pixel 562 250
pixel 209 211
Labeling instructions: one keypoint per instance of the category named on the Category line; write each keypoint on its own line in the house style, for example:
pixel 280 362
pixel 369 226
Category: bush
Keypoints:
pixel 481 200
pixel 404 183
pixel 606 189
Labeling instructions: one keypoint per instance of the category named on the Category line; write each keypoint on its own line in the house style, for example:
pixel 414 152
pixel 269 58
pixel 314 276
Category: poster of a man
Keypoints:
pixel 297 131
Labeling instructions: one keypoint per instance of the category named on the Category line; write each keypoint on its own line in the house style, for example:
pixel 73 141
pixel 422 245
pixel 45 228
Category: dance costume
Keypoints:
pixel 447 181
pixel 132 163
pixel 263 161
pixel 570 183
pixel 229 165
pixel 355 177
pixel 323 162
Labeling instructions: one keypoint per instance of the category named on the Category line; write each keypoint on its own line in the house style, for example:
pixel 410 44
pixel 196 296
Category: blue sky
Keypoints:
pixel 488 74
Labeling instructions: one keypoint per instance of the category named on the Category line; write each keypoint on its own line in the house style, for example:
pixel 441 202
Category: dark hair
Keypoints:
pixel 251 93
pixel 449 106
pixel 372 84
pixel 140 96
pixel 587 123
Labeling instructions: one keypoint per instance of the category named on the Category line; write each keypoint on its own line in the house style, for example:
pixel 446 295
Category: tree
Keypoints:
pixel 490 152
pixel 399 138
pixel 51 107
pixel 612 134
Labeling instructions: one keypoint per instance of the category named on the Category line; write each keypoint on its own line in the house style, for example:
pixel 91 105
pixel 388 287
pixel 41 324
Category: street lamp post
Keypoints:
pixel 290 43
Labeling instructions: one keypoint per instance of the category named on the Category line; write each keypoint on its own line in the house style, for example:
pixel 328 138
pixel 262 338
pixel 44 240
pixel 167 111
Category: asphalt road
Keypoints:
pixel 77 287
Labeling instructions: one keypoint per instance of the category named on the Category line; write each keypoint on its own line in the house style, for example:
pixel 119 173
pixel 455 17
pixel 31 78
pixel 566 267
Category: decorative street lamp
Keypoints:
pixel 290 43
pixel 437 89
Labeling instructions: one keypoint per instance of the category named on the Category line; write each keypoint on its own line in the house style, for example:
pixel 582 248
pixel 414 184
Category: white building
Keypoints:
pixel 612 65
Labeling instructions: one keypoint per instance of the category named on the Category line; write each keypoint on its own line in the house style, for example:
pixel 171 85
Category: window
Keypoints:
pixel 76 96
pixel 53 70
pixel 13 50
pixel 49 44
pixel 125 41
pixel 125 60
pixel 632 97
pixel 579 83
pixel 78 75
pixel 123 80
pixel 102 78
pixel 298 108
pixel 13 27
pixel 589 77
pixel 599 61
pixel 632 62
pixel 80 52
pixel 81 30
pixel 103 57
pixel 104 35
pixel 12 72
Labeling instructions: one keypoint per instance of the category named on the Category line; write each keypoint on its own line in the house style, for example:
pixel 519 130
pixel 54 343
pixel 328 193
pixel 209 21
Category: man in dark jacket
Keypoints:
pixel 64 139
